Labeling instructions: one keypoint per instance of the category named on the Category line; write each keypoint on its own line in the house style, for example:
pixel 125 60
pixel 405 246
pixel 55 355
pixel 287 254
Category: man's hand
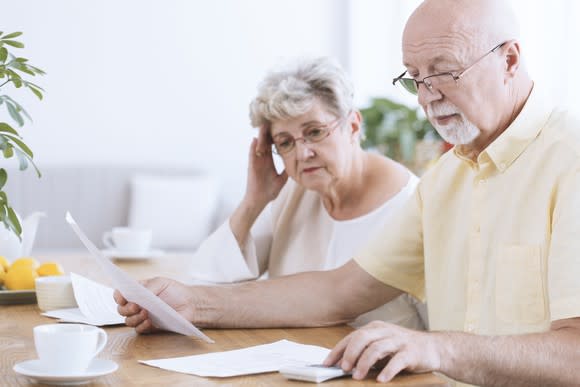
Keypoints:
pixel 379 342
pixel 175 294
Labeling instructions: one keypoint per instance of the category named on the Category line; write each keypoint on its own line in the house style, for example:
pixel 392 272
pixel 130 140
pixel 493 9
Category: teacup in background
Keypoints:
pixel 54 292
pixel 67 349
pixel 128 240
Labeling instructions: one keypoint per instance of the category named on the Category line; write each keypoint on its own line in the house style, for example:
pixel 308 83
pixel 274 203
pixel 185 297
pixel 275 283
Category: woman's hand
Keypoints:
pixel 175 294
pixel 264 183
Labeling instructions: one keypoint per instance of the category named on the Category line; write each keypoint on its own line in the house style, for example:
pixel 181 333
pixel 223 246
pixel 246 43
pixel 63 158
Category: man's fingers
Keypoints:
pixel 136 319
pixel 336 354
pixel 371 355
pixel 360 340
pixel 394 366
pixel 118 297
pixel 145 327
pixel 128 309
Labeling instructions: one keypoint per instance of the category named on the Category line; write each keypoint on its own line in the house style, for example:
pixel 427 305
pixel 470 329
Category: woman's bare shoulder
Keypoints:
pixel 388 174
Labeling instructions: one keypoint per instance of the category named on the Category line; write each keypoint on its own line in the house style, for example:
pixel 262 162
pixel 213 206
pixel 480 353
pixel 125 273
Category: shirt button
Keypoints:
pixel 502 165
pixel 470 327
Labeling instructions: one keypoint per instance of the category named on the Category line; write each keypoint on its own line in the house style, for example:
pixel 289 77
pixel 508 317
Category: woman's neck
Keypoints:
pixel 344 193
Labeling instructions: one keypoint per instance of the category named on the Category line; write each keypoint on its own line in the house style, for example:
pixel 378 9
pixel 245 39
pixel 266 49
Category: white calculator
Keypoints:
pixel 312 373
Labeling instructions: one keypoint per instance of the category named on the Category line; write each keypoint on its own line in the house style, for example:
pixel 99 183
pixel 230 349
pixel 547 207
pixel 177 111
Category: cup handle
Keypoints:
pixel 101 342
pixel 108 240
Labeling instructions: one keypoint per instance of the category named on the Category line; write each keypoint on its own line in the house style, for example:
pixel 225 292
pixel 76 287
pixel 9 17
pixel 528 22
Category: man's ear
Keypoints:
pixel 512 58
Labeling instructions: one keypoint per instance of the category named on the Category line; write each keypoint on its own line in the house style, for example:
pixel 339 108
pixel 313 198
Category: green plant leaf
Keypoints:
pixel 28 83
pixel 24 69
pixel 22 160
pixel 36 92
pixel 13 43
pixel 3 198
pixel 8 151
pixel 14 113
pixel 4 127
pixel 13 74
pixel 11 35
pixel 37 70
pixel 3 54
pixel 13 220
pixel 21 145
pixel 3 177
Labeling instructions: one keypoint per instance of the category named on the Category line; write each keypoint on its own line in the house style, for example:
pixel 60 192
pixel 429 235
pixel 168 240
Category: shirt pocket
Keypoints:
pixel 520 284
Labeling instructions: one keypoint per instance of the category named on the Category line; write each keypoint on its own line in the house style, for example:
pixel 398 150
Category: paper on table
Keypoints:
pixel 161 314
pixel 95 301
pixel 246 361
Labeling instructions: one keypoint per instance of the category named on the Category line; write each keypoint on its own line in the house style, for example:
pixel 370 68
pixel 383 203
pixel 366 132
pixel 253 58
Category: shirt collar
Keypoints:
pixel 505 149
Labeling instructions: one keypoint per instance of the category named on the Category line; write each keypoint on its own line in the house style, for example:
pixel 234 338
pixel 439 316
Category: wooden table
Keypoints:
pixel 125 347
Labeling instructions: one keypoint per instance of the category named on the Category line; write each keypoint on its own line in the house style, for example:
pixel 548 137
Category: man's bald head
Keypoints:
pixel 482 22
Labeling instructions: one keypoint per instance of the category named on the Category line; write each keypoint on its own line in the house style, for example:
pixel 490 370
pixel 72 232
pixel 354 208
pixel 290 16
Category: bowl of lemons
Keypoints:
pixel 17 279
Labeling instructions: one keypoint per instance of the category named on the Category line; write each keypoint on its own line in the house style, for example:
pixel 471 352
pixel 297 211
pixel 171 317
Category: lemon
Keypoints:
pixel 50 268
pixel 25 262
pixel 20 278
pixel 4 263
pixel 2 275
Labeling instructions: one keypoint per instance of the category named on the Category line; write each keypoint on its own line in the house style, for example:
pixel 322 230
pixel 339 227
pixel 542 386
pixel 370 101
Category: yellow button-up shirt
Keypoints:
pixel 493 244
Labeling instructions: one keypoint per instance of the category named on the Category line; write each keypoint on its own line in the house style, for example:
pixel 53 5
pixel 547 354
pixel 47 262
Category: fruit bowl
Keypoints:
pixel 13 297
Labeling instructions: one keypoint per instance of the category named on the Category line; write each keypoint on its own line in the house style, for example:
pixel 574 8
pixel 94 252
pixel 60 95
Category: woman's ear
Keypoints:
pixel 355 124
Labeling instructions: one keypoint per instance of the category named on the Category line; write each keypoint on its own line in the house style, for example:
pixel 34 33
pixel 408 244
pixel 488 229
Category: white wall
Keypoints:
pixel 160 82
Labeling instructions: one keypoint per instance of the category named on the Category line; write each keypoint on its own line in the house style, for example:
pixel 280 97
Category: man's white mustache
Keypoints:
pixel 441 110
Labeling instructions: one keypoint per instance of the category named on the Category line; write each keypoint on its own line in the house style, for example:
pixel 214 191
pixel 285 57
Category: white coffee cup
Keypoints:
pixel 54 292
pixel 128 239
pixel 67 349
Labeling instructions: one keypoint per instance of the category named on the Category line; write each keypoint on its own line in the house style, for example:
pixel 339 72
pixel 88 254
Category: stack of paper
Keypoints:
pixel 251 360
pixel 95 301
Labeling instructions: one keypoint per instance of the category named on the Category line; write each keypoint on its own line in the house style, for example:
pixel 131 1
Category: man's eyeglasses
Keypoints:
pixel 284 143
pixel 438 80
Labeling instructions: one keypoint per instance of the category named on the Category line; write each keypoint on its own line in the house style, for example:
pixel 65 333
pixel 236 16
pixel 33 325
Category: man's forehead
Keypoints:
pixel 435 52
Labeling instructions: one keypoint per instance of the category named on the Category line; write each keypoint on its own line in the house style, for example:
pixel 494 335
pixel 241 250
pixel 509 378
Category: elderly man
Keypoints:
pixel 490 237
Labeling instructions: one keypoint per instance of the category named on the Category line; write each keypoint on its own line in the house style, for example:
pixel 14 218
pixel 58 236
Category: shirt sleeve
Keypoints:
pixel 395 255
pixel 564 256
pixel 220 259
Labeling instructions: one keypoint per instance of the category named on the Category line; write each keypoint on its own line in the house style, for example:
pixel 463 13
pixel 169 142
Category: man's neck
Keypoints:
pixel 478 145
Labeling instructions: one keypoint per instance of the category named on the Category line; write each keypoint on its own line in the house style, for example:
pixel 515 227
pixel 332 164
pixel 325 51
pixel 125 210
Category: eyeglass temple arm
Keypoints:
pixel 395 80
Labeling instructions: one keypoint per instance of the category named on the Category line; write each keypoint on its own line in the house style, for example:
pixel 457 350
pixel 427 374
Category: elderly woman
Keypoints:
pixel 336 199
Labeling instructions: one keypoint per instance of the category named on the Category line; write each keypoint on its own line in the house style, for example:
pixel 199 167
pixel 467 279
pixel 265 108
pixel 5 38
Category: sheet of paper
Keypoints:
pixel 161 314
pixel 95 301
pixel 246 361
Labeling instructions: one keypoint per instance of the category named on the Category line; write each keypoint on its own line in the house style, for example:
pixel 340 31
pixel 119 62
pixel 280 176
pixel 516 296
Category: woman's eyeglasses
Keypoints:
pixel 284 143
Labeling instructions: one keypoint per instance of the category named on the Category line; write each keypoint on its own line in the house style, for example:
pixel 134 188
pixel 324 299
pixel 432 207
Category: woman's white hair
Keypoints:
pixel 292 90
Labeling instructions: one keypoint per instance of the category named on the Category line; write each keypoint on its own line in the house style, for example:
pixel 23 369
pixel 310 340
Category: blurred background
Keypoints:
pixel 155 84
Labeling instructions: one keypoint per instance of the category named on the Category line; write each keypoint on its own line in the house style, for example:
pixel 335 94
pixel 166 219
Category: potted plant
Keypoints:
pixel 15 72
pixel 399 132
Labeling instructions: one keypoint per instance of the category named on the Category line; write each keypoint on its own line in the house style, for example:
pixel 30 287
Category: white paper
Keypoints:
pixel 95 301
pixel 161 314
pixel 251 360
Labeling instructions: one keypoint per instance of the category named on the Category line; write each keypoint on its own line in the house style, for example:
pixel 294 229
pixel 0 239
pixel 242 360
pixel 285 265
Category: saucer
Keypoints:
pixel 128 255
pixel 34 369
